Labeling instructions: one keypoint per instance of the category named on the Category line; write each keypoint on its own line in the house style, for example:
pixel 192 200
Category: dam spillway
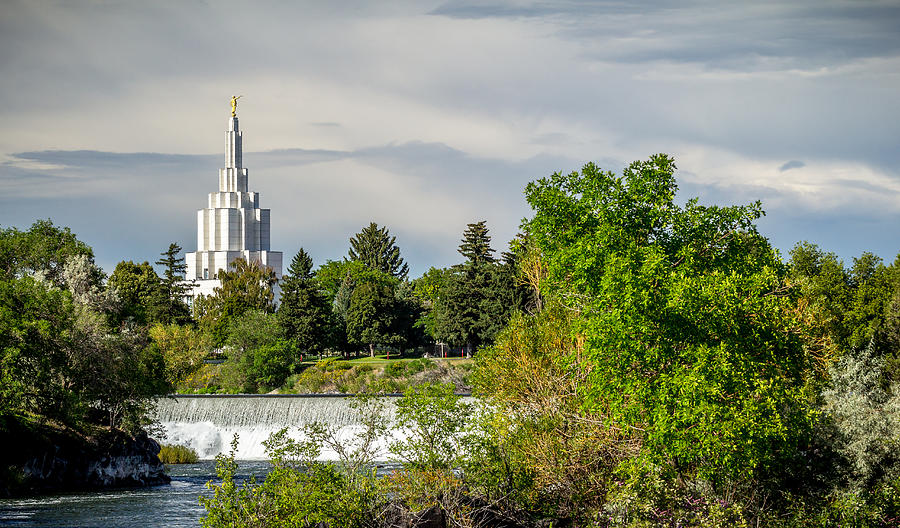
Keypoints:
pixel 207 423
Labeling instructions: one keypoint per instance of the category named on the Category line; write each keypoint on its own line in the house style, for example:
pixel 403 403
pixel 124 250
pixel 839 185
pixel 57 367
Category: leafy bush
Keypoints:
pixel 297 492
pixel 177 454
pixel 434 419
pixel 866 417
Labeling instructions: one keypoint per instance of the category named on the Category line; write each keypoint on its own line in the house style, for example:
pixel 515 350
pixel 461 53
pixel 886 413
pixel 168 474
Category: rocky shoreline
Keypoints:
pixel 38 460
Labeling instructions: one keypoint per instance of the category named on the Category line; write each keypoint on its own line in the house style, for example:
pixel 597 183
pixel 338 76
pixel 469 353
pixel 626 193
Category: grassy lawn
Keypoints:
pixel 381 360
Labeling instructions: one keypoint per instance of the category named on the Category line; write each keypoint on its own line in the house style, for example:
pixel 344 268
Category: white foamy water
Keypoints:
pixel 208 423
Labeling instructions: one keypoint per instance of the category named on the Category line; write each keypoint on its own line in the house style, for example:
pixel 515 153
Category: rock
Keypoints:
pixel 50 460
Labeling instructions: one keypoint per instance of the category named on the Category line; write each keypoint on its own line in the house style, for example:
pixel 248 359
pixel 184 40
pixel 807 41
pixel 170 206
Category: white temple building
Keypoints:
pixel 232 226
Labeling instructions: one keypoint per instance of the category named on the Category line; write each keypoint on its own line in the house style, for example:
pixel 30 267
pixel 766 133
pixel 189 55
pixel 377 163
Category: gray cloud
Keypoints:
pixel 136 201
pixel 425 116
pixel 793 164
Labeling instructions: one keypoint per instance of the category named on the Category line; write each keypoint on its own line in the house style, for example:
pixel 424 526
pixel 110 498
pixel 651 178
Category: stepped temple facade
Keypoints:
pixel 232 226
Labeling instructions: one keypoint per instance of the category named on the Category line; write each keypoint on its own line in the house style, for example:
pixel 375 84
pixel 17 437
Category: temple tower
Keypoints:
pixel 232 226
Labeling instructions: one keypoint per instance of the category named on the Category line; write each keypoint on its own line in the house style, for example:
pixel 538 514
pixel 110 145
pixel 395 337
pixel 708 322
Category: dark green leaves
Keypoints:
pixel 377 249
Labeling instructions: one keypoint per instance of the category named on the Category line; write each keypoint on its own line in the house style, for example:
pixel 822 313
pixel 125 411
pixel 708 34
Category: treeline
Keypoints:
pixel 672 370
pixel 644 363
pixel 358 305
pixel 72 352
pixel 361 304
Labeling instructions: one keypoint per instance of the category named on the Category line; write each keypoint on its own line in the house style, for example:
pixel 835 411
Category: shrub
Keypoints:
pixel 177 454
pixel 435 420
pixel 297 491
pixel 867 417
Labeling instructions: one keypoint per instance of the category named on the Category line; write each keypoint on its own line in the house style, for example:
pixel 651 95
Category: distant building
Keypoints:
pixel 232 226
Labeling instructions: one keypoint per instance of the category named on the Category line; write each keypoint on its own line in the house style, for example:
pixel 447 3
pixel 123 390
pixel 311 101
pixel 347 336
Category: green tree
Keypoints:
pixel 476 297
pixel 35 333
pixel 853 308
pixel 338 278
pixel 434 419
pixel 428 289
pixel 409 314
pixel 140 292
pixel 259 358
pixel 371 316
pixel 376 248
pixel 61 357
pixel 44 248
pixel 476 244
pixel 175 310
pixel 248 286
pixel 684 316
pixel 183 349
pixel 304 312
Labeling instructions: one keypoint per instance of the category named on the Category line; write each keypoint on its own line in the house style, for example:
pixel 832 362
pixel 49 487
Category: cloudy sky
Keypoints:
pixel 425 116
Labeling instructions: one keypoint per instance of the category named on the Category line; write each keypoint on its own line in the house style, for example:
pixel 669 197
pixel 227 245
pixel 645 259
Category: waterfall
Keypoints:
pixel 207 423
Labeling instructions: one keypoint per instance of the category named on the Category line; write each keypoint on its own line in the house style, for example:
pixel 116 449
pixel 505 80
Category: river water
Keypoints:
pixel 176 505
pixel 207 424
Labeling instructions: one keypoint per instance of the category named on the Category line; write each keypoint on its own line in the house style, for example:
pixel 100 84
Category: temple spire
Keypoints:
pixel 233 150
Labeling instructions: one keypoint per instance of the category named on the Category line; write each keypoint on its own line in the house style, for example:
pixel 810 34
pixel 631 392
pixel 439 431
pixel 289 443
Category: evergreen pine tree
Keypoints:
pixel 476 244
pixel 376 248
pixel 477 296
pixel 304 311
pixel 173 286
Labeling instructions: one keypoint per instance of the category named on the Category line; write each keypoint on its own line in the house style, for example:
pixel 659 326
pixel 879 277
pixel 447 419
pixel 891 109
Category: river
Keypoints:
pixel 176 505
pixel 206 423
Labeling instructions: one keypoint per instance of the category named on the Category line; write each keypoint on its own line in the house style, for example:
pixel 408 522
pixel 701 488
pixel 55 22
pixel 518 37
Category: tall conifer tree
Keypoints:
pixel 303 313
pixel 376 248
pixel 173 285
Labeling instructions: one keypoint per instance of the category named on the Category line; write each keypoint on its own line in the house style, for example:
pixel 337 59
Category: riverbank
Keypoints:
pixel 41 457
pixel 173 506
pixel 340 376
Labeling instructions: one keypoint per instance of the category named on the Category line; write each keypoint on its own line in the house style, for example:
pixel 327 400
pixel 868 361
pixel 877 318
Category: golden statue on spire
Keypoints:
pixel 234 105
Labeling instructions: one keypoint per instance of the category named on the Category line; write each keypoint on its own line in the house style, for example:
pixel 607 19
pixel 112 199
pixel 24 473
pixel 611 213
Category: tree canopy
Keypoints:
pixel 376 248
pixel 304 312
pixel 683 317
pixel 248 286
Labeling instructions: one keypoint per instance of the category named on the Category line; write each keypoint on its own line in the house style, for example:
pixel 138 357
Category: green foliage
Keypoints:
pixel 434 418
pixel 183 349
pixel 370 315
pixel 299 491
pixel 686 327
pixel 247 287
pixel 177 454
pixel 304 313
pixel 851 308
pixel 61 357
pixel 259 357
pixel 428 289
pixel 538 443
pixel 174 289
pixel 377 249
pixel 476 244
pixel 474 300
pixel 36 322
pixel 140 291
pixel 332 275
pixel 409 313
pixel 44 248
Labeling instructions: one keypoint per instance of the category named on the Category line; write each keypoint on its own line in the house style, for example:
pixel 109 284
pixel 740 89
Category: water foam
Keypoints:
pixel 208 423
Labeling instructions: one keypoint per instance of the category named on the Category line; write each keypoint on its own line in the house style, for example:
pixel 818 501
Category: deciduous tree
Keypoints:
pixel 685 319
pixel 248 286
